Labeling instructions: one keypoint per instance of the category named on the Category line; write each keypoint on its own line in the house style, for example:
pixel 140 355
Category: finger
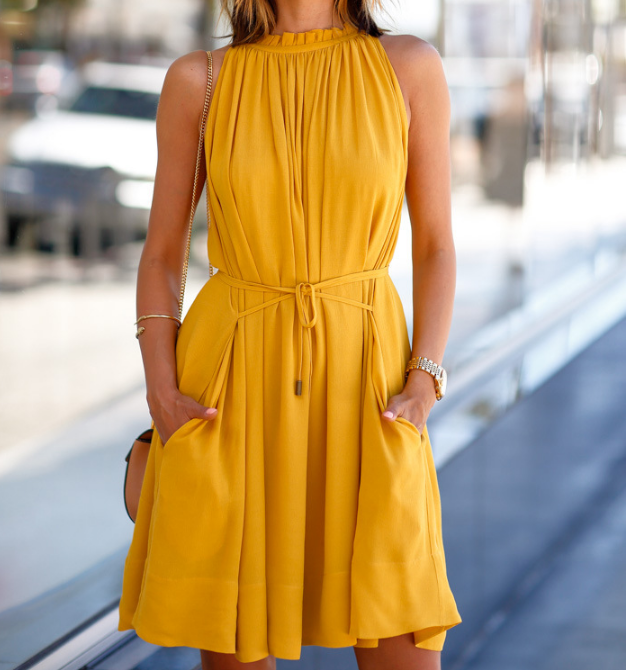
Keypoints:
pixel 211 412
pixel 203 412
pixel 392 410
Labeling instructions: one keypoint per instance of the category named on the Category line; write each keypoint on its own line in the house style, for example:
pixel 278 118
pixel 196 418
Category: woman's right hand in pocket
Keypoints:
pixel 173 409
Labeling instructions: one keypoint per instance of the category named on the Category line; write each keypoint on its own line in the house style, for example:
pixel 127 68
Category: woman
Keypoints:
pixel 291 496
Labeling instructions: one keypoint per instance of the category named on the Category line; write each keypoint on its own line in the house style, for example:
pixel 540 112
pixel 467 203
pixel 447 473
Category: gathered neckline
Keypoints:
pixel 307 39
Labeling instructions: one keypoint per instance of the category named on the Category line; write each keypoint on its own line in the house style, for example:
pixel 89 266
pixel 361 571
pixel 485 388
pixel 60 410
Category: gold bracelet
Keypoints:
pixel 162 316
pixel 154 316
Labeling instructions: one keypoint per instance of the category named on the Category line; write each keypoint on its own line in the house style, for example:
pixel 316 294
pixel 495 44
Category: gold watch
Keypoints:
pixel 438 373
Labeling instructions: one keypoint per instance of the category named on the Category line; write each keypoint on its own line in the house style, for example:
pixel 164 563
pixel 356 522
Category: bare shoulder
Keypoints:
pixel 418 67
pixel 412 56
pixel 186 80
pixel 187 72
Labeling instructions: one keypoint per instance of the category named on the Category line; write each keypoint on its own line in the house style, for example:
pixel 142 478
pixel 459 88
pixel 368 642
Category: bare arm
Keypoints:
pixel 428 193
pixel 178 124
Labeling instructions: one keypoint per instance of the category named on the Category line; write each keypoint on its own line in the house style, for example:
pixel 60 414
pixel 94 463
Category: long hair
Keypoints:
pixel 252 19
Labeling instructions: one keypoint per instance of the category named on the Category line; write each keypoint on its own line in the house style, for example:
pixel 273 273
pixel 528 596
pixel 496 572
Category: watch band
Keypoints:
pixel 422 363
pixel 437 372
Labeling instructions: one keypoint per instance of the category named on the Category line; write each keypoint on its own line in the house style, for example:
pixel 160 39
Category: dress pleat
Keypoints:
pixel 295 518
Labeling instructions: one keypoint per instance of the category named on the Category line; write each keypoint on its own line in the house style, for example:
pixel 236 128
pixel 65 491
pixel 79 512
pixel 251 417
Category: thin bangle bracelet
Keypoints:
pixel 162 316
pixel 154 316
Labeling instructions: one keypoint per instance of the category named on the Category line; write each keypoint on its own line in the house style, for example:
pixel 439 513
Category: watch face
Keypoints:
pixel 442 382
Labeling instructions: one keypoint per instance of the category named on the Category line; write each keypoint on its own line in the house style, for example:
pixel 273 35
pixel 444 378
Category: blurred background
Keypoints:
pixel 530 440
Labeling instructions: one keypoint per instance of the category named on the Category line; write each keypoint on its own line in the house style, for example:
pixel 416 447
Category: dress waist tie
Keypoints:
pixel 299 291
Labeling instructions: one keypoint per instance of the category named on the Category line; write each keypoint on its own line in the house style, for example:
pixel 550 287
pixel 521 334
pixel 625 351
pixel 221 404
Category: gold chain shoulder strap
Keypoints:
pixel 195 185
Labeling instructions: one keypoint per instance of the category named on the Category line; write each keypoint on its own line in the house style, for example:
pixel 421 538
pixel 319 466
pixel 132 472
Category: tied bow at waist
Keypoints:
pixel 300 290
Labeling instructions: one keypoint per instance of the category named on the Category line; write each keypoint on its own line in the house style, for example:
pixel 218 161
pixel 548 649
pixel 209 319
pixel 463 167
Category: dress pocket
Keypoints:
pixel 181 430
pixel 405 422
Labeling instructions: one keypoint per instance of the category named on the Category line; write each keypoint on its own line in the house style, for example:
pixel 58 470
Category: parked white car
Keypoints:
pixel 87 171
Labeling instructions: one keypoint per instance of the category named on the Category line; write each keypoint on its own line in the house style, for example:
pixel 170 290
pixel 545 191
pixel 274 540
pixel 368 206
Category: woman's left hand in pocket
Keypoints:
pixel 415 401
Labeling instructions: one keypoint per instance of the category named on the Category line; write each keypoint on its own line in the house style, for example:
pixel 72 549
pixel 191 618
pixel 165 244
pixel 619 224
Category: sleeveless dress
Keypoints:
pixel 299 515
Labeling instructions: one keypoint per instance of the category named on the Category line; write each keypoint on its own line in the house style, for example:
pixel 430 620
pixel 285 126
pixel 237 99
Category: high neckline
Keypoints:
pixel 314 38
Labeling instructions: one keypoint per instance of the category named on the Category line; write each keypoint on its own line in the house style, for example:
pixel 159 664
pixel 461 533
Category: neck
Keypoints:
pixel 296 16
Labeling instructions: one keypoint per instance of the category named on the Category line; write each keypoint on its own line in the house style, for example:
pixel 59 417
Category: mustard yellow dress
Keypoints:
pixel 299 516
